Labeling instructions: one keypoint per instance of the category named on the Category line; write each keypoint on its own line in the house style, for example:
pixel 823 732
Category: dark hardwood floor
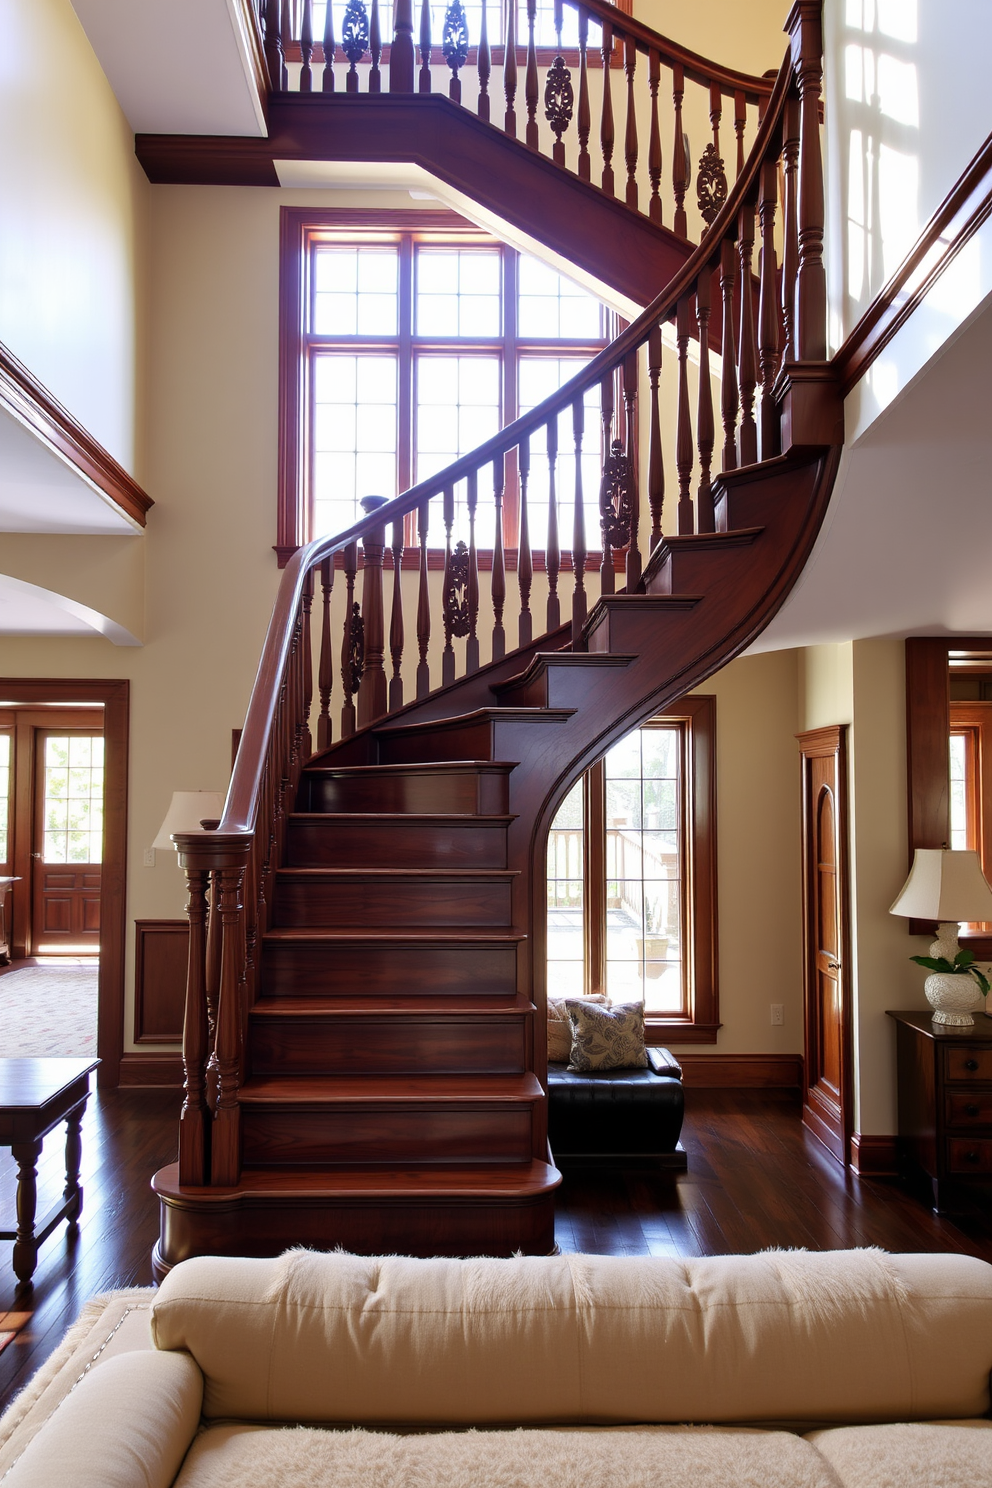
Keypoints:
pixel 755 1179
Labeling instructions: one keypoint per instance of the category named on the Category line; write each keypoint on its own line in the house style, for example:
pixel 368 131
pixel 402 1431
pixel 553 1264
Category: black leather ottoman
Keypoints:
pixel 626 1113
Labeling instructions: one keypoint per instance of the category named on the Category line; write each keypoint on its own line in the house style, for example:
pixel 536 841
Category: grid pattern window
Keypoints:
pixel 5 779
pixel 566 875
pixel 544 27
pixel 73 799
pixel 420 345
pixel 963 748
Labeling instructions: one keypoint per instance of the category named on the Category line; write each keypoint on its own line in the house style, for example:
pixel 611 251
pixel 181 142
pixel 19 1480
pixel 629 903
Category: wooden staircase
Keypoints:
pixel 364 1042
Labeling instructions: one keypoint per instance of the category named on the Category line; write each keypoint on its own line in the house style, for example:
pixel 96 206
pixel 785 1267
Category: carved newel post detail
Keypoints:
pixel 372 697
pixel 803 26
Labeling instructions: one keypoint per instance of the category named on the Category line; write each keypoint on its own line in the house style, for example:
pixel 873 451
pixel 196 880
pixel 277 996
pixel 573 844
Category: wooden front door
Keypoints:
pixel 827 1102
pixel 67 849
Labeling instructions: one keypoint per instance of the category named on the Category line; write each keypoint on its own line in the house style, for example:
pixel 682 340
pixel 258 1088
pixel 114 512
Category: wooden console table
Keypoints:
pixel 35 1095
pixel 945 1102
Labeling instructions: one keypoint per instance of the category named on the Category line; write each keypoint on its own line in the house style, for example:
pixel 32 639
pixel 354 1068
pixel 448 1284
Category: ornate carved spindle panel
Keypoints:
pixel 584 119
pixel 485 65
pixel 683 440
pixel 306 47
pixel 423 604
pixel 811 284
pixel 656 459
pixel 740 124
pixel 553 551
pixel 353 643
pixel 212 969
pixel 559 98
pixel 354 39
pixel 499 562
pixel 472 644
pixel 375 49
pixel 306 739
pixel 510 72
pixel 372 697
pixel 680 155
pixel 728 348
pixel 454 45
pixel 711 182
pixel 606 133
pixel 579 553
pixel 790 227
pixel 194 1120
pixel 425 47
pixel 654 145
pixel 448 598
pixel 273 44
pixel 615 501
pixel 630 137
pixel 606 503
pixel 747 376
pixel 325 666
pixel 286 29
pixel 525 563
pixel 402 59
pixel 704 412
pixel 768 310
pixel 396 620
pixel 530 78
pixel 630 421
pixel 327 80
pixel 225 1153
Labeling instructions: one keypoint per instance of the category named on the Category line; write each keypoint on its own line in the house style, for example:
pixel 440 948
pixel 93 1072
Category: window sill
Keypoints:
pixel 678 1031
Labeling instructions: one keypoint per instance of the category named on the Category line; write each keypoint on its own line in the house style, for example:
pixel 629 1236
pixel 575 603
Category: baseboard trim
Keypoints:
pixel 151 1069
pixel 742 1071
pixel 874 1157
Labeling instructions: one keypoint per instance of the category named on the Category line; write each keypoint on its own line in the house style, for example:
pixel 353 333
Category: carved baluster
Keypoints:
pixel 558 96
pixel 554 542
pixel 306 738
pixel 499 565
pixel 606 579
pixel 396 619
pixel 306 47
pixel 375 50
pixel 630 138
pixel 683 441
pixel 485 65
pixel 193 1122
pixel 680 155
pixel 454 45
pixel 274 45
pixel 353 644
pixel 510 72
pixel 811 286
pixel 606 121
pixel 225 1153
pixel 425 47
pixel 654 147
pixel 656 462
pixel 402 59
pixel 578 526
pixel 704 415
pixel 472 644
pixel 740 122
pixel 716 113
pixel 630 421
pixel 728 386
pixel 746 362
pixel 790 227
pixel 711 182
pixel 286 28
pixel 423 605
pixel 584 122
pixel 372 698
pixel 327 82
pixel 354 39
pixel 525 563
pixel 448 654
pixel 768 310
pixel 325 668
pixel 530 77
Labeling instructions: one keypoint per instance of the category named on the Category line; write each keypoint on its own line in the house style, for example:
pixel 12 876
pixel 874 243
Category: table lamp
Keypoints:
pixel 948 885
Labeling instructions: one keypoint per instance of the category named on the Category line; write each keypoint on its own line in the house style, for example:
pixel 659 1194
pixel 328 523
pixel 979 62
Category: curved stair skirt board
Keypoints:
pixel 361 1131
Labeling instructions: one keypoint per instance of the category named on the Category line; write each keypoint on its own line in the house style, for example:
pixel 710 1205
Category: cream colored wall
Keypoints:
pixel 748 37
pixel 72 198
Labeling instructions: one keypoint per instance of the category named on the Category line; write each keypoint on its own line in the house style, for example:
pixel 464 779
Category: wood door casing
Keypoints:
pixel 827 1084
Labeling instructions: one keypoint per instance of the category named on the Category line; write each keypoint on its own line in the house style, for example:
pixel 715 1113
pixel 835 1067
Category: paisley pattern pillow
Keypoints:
pixel 606 1038
pixel 559 1028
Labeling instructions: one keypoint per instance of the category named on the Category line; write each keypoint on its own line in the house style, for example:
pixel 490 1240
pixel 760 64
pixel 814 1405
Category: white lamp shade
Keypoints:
pixel 945 885
pixel 186 811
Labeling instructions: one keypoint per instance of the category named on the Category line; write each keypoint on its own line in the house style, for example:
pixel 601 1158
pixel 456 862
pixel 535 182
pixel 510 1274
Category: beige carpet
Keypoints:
pixel 49 1012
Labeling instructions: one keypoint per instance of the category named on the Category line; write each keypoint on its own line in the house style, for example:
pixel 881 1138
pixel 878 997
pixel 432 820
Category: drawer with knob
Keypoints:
pixel 968 1108
pixel 967 1064
pixel 967 1155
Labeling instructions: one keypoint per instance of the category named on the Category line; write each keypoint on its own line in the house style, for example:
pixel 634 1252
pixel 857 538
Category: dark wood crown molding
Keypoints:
pixel 31 404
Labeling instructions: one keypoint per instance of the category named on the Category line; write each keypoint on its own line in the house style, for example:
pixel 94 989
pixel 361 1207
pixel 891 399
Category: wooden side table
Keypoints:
pixel 945 1102
pixel 35 1095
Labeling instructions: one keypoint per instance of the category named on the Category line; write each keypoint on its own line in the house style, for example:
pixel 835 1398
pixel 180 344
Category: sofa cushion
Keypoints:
pixel 909 1456
pixel 560 1029
pixel 606 1038
pixel 838 1337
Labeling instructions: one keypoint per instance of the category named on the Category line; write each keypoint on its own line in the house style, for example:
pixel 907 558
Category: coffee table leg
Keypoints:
pixel 26 1155
pixel 73 1157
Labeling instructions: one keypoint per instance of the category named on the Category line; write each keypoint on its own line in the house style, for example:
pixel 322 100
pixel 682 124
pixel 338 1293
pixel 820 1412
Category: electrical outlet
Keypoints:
pixel 149 858
pixel 778 1014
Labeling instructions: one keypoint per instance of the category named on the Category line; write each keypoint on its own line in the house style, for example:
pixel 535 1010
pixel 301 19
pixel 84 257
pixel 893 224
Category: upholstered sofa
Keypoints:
pixel 849 1369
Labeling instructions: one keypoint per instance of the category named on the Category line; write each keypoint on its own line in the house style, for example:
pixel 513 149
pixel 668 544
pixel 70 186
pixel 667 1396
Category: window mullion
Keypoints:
pixel 404 432
pixel 595 877
pixel 511 400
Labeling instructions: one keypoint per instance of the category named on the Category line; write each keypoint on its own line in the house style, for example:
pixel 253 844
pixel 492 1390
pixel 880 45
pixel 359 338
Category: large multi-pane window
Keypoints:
pixel 545 35
pixel 631 882
pixel 416 344
pixel 5 775
pixel 72 799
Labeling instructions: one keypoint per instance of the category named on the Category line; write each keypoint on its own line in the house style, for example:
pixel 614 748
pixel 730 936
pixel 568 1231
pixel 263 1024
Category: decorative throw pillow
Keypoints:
pixel 559 1028
pixel 606 1038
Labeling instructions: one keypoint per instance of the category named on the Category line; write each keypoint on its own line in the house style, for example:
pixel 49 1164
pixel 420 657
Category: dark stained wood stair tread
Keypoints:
pixel 419 766
pixel 376 874
pixel 389 1090
pixel 414 1006
pixel 401 819
pixel 450 1181
pixel 404 934
pixel 479 715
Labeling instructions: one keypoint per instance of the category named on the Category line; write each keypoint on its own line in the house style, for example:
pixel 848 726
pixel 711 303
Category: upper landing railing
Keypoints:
pixel 562 96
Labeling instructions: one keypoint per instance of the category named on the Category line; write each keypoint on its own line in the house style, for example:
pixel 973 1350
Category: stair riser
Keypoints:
pixel 693 572
pixel 389 970
pixel 396 1046
pixel 396 1134
pixel 394 844
pixel 625 630
pixel 365 903
pixel 483 791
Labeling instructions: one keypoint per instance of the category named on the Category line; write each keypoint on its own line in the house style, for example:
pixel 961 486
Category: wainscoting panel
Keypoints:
pixel 741 1071
pixel 161 950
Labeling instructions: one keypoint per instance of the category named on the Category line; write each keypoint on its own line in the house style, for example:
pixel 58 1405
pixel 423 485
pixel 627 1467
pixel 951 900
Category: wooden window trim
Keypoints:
pixel 974 720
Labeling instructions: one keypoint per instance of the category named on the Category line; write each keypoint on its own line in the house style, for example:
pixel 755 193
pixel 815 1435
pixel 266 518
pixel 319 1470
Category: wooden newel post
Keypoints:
pixel 372 696
pixel 804 29
pixel 401 53
pixel 194 1157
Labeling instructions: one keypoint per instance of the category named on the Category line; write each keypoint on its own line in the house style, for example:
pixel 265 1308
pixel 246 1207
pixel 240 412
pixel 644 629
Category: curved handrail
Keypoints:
pixel 241 806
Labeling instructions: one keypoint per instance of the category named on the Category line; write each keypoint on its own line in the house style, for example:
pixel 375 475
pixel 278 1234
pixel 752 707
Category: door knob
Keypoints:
pixel 833 966
pixel 36 855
